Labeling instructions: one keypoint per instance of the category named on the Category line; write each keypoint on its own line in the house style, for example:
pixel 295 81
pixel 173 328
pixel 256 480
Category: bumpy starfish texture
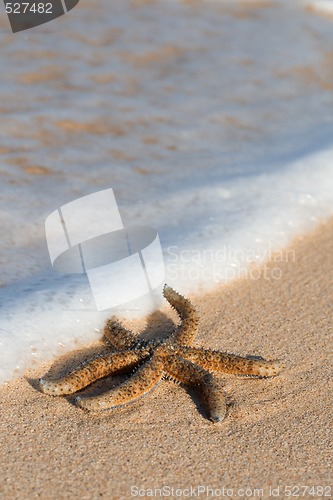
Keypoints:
pixel 173 358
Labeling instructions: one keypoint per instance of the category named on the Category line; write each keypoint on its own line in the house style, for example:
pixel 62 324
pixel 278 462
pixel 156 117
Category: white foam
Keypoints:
pixel 274 207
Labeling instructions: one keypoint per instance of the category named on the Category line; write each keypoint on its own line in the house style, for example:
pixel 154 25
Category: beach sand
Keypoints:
pixel 276 433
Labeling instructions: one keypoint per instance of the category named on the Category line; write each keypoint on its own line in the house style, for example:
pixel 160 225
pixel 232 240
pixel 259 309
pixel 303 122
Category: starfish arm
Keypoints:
pixel 210 387
pixel 141 382
pixel 90 371
pixel 117 335
pixel 187 331
pixel 230 363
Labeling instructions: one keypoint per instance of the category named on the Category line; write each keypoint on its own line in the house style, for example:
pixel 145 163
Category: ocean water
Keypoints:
pixel 211 121
pixel 324 6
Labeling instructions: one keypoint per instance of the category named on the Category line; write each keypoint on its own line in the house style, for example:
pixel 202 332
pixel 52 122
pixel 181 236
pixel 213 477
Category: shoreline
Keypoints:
pixel 276 432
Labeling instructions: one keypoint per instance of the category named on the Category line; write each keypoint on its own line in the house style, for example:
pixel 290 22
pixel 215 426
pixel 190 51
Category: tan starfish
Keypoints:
pixel 159 358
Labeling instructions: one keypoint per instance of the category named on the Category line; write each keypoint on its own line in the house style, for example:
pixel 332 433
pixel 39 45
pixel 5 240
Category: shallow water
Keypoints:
pixel 211 121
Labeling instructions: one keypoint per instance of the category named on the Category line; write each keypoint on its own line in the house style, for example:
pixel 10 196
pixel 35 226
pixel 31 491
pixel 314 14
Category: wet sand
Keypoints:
pixel 276 433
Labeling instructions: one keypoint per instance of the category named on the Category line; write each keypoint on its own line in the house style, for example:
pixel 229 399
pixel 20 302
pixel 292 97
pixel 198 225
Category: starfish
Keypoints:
pixel 172 357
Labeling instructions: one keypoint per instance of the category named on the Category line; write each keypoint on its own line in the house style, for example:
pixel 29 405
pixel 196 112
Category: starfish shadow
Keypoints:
pixel 158 325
